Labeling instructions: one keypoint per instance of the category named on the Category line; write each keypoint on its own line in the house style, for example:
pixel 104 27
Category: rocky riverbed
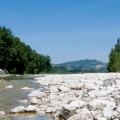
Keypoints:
pixel 94 96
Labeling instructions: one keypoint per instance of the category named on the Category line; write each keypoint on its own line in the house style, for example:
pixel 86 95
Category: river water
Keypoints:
pixel 10 98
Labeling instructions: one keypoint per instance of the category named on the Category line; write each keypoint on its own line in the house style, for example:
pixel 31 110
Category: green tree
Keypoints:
pixel 17 57
pixel 114 58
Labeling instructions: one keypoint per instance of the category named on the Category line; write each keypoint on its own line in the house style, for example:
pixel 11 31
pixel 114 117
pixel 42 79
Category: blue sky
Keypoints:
pixel 64 29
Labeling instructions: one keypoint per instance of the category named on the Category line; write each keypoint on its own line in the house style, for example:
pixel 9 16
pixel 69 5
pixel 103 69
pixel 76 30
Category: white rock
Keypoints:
pixel 72 106
pixel 109 82
pixel 97 104
pixel 2 113
pixel 18 109
pixel 26 88
pixel 9 87
pixel 108 113
pixel 93 94
pixel 118 109
pixel 97 114
pixel 90 87
pixel 75 86
pixel 53 89
pixel 34 100
pixel 63 89
pixel 111 105
pixel 77 104
pixel 51 110
pixel 83 115
pixel 37 93
pixel 102 118
pixel 31 108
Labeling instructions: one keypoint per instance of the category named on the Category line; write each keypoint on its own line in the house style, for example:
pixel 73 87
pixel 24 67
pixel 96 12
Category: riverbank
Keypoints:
pixel 14 92
pixel 76 97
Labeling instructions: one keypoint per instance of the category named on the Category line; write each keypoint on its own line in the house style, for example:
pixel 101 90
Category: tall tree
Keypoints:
pixel 114 58
pixel 17 57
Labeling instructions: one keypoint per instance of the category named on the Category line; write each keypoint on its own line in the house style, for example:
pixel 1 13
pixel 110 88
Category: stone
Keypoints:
pixel 97 104
pixel 34 101
pixel 109 82
pixel 2 113
pixel 51 110
pixel 93 94
pixel 83 115
pixel 26 88
pixel 97 114
pixel 31 108
pixel 63 89
pixel 76 104
pixel 9 87
pixel 108 113
pixel 65 113
pixel 102 118
pixel 53 89
pixel 111 105
pixel 19 109
pixel 37 93
pixel 79 86
pixel 90 87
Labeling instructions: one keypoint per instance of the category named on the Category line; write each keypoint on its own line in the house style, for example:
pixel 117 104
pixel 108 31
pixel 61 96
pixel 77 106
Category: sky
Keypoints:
pixel 66 30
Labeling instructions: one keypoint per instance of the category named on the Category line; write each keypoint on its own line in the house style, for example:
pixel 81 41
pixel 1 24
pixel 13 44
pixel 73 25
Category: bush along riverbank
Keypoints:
pixel 76 97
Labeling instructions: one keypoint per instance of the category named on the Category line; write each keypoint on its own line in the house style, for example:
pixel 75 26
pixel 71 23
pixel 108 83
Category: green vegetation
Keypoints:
pixel 83 66
pixel 114 58
pixel 18 58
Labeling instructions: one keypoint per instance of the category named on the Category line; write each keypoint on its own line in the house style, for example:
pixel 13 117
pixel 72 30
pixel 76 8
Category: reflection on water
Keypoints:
pixel 9 98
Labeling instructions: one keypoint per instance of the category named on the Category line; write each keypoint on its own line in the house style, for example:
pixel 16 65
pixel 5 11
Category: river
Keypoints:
pixel 13 97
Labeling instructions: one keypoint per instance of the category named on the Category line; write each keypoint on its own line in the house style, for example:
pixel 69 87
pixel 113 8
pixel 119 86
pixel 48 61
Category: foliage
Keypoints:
pixel 114 58
pixel 17 57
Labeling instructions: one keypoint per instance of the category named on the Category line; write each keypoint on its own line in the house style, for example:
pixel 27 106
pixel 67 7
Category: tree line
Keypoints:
pixel 18 58
pixel 114 58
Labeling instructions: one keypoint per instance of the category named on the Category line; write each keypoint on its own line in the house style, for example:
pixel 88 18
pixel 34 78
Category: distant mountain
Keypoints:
pixel 86 65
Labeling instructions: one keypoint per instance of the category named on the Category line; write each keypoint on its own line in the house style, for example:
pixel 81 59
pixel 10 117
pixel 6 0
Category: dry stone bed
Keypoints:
pixel 93 96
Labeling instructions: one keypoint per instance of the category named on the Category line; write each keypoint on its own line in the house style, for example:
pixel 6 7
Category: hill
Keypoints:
pixel 86 65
